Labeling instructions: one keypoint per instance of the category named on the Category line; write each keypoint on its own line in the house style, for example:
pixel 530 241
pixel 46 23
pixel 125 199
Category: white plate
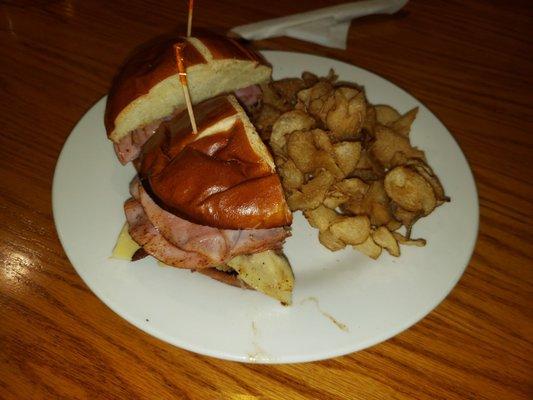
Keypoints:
pixel 375 300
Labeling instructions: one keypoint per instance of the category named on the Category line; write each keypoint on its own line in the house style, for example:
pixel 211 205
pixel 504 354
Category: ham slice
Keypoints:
pixel 189 245
pixel 183 234
pixel 146 235
pixel 249 96
pixel 129 147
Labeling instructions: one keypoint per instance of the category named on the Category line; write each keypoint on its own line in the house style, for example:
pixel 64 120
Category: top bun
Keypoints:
pixel 147 87
pixel 223 176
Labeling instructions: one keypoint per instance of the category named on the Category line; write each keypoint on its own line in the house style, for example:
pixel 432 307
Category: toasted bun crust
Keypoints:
pixel 147 87
pixel 222 177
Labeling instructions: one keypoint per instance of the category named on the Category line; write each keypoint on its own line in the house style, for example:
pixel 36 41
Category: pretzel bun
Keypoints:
pixel 147 88
pixel 223 176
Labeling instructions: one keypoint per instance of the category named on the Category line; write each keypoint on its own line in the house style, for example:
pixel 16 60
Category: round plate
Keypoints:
pixel 342 302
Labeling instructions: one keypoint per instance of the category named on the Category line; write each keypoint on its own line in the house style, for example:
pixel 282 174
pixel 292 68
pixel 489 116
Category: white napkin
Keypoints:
pixel 326 26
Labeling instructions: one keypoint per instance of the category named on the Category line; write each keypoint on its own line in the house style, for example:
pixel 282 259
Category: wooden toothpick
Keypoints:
pixel 189 19
pixel 182 73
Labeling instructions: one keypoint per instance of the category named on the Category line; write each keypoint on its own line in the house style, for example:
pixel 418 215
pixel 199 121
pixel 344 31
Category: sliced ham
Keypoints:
pixel 163 234
pixel 146 235
pixel 181 233
pixel 249 96
pixel 256 240
pixel 129 147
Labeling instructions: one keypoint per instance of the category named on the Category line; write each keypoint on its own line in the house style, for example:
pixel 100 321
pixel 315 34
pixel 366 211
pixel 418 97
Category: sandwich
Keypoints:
pixel 209 201
pixel 146 91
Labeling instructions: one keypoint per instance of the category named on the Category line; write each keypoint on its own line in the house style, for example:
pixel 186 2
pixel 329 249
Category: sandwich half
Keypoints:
pixel 146 91
pixel 212 201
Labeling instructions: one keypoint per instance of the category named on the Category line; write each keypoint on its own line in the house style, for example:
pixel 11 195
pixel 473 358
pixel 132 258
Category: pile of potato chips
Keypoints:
pixel 346 164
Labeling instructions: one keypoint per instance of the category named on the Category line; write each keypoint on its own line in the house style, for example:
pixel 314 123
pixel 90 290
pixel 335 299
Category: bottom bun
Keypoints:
pixel 230 278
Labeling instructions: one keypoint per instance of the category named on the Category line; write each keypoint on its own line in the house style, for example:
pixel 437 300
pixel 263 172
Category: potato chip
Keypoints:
pixel 398 159
pixel 393 225
pixel 345 118
pixel 376 193
pixel 345 190
pixel 370 120
pixel 364 162
pixel 427 173
pixel 408 242
pixel 332 76
pixel 321 140
pixel 377 203
pixel 287 123
pixel 321 217
pixel 354 206
pixel 351 230
pixel 385 239
pixel 309 78
pixel 312 193
pixel 407 218
pixel 380 214
pixel 329 240
pixel 288 88
pixel 327 161
pixel 265 119
pixel 301 149
pixel 410 190
pixel 367 166
pixel 364 174
pixel 369 248
pixel 403 124
pixel 374 204
pixel 335 198
pixel 347 155
pixel 321 106
pixel 291 177
pixel 353 187
pixel 358 205
pixel 386 115
pixel 280 159
pixel 388 143
pixel 315 99
pixel 272 98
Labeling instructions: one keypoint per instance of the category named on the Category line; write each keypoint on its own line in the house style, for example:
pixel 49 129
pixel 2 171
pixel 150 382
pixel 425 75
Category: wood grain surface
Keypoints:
pixel 471 62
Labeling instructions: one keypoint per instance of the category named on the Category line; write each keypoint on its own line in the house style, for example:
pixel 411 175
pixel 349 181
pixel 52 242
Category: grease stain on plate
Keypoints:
pixel 340 325
pixel 258 355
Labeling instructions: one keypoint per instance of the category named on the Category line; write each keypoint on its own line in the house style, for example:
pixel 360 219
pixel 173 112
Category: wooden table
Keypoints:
pixel 470 62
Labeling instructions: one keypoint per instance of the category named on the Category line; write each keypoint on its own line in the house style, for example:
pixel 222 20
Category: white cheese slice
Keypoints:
pixel 267 272
pixel 125 247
